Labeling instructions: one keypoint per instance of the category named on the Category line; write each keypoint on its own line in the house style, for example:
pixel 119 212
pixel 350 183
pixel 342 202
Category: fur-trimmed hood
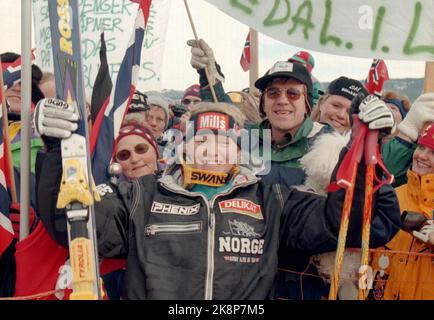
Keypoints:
pixel 319 163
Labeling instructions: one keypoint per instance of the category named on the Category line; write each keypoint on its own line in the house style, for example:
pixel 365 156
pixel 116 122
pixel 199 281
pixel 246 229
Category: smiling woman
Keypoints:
pixel 136 151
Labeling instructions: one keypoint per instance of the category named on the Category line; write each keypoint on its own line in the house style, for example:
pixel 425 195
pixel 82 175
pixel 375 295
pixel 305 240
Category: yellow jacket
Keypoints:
pixel 410 277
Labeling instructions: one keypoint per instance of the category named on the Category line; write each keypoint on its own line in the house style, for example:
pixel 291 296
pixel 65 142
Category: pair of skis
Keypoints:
pixel 365 146
pixel 77 190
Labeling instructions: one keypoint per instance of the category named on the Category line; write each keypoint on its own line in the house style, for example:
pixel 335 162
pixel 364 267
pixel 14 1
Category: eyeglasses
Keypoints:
pixel 292 94
pixel 187 101
pixel 124 155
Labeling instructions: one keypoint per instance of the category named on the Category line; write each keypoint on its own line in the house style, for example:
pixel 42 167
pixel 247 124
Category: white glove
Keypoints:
pixel 423 234
pixel 375 113
pixel 203 56
pixel 55 118
pixel 420 113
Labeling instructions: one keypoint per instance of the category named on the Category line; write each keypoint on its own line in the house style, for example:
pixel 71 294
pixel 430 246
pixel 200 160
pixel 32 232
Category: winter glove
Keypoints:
pixel 412 221
pixel 203 56
pixel 420 113
pixel 424 233
pixel 374 112
pixel 55 118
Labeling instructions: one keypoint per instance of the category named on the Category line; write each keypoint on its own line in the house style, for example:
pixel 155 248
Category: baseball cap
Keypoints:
pixel 286 69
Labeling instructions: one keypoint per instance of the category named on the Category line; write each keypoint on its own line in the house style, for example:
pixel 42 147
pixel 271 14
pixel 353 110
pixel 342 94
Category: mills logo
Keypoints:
pixel 213 121
pixel 241 206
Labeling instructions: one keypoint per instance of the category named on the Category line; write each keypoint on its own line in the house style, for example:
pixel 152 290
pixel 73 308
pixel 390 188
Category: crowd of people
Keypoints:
pixel 182 225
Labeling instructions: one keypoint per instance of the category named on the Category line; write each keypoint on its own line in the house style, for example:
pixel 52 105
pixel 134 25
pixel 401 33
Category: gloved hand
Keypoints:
pixel 55 118
pixel 203 56
pixel 420 113
pixel 426 233
pixel 374 112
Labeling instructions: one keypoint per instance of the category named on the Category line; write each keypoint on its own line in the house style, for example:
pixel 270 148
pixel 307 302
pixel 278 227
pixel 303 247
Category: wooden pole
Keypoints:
pixel 214 97
pixel 7 141
pixel 429 77
pixel 254 61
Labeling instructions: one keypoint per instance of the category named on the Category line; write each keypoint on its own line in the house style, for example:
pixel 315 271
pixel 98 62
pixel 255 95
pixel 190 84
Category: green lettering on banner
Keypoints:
pixel 149 71
pixel 305 22
pixel 324 38
pixel 243 7
pixel 270 21
pixel 377 28
pixel 408 49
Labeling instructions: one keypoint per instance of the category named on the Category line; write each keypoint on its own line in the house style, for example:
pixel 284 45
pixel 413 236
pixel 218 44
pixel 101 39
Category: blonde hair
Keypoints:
pixel 316 113
pixel 222 107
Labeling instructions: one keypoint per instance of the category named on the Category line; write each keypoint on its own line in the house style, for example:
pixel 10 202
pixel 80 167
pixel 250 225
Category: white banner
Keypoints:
pixel 387 29
pixel 117 19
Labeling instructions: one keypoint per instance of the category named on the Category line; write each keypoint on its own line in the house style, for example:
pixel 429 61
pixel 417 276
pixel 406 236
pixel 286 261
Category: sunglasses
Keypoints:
pixel 124 155
pixel 292 94
pixel 187 101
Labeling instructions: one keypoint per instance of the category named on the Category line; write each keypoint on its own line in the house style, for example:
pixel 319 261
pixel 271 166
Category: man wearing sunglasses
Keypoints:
pixel 208 228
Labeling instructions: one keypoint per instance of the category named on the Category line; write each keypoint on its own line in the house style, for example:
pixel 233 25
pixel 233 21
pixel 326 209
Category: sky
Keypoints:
pixel 226 36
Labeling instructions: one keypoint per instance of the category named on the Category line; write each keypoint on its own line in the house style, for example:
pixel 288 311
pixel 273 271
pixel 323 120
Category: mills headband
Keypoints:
pixel 216 122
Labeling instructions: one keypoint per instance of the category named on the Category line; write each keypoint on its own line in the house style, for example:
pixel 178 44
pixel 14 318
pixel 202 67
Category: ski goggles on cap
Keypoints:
pixel 124 155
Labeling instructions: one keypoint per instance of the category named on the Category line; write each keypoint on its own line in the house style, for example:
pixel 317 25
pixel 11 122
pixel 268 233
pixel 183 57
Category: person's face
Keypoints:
pixel 190 101
pixel 335 111
pixel 423 160
pixel 396 113
pixel 286 113
pixel 136 156
pixel 212 152
pixel 155 120
pixel 48 88
pixel 13 96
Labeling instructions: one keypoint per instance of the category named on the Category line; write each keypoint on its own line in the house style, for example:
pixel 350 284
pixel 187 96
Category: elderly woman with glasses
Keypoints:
pixel 136 151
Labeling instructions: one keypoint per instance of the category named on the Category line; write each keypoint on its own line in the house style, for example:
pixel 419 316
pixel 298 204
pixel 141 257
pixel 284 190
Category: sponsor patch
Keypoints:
pixel 241 206
pixel 243 229
pixel 103 189
pixel 241 245
pixel 167 208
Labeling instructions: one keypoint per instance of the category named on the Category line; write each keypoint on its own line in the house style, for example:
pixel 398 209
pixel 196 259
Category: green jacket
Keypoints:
pixel 398 156
pixel 289 153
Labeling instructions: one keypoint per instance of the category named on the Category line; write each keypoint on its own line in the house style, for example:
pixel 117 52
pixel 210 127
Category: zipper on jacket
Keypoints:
pixel 210 254
pixel 209 277
pixel 154 229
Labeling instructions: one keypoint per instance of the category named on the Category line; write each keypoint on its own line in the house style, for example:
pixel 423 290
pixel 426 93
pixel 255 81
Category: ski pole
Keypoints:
pixel 211 87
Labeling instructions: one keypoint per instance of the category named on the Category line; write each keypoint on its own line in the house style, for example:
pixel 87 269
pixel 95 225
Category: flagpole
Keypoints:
pixel 214 97
pixel 26 90
pixel 7 141
pixel 254 63
pixel 429 77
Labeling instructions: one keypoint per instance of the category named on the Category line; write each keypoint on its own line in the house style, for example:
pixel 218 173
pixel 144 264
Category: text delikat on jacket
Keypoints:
pixel 179 245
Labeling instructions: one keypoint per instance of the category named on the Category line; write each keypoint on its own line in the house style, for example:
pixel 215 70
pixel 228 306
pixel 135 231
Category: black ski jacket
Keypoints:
pixel 180 245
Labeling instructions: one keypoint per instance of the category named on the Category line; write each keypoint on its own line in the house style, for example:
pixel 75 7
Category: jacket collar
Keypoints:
pixel 172 179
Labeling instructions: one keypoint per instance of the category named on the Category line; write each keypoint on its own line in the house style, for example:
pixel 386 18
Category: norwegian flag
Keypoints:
pixel 377 76
pixel 245 56
pixel 109 120
pixel 12 72
pixel 6 231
